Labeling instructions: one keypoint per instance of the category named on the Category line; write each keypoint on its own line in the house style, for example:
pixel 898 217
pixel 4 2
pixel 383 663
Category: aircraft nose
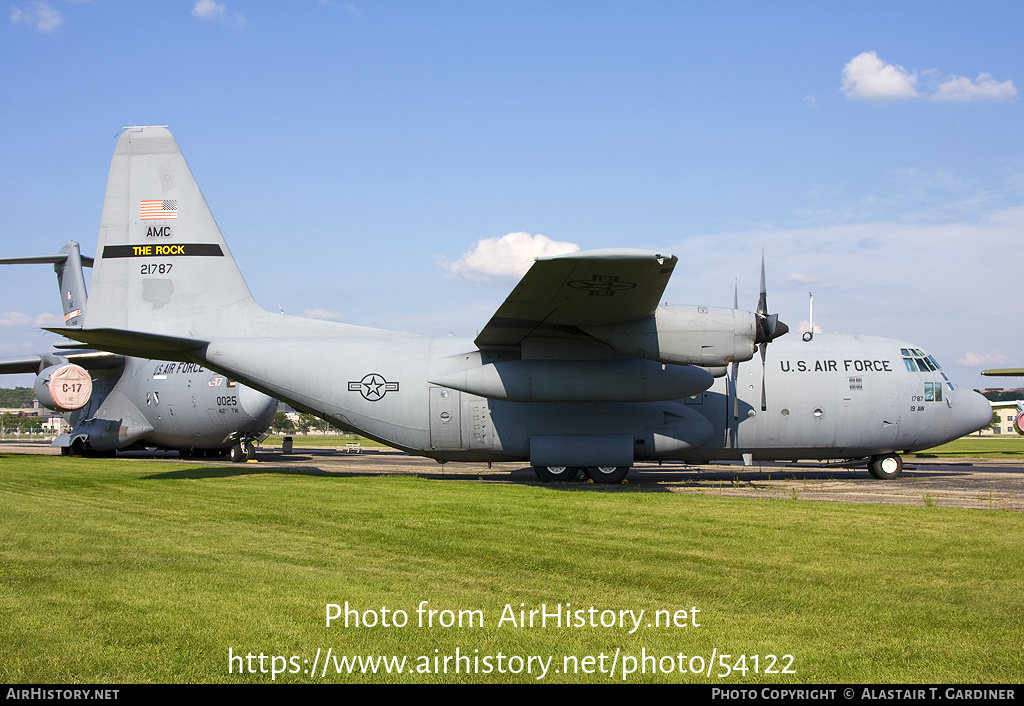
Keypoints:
pixel 971 412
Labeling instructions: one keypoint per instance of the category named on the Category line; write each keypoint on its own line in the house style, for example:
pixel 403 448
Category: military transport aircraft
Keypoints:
pixel 119 402
pixel 579 368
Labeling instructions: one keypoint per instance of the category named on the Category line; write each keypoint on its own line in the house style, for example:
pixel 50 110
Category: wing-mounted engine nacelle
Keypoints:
pixel 64 387
pixel 708 336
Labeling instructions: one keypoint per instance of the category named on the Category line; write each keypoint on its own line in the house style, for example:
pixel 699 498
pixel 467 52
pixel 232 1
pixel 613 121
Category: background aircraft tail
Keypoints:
pixel 68 266
pixel 161 263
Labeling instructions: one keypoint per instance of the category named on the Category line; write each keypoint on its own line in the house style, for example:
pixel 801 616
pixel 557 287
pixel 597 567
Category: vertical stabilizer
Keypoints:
pixel 161 263
pixel 68 266
pixel 72 284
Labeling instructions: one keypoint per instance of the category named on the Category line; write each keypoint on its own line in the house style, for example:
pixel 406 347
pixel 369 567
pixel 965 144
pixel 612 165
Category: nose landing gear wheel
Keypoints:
pixel 885 466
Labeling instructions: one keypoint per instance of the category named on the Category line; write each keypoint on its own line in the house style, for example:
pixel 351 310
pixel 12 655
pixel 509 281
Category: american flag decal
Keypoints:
pixel 158 210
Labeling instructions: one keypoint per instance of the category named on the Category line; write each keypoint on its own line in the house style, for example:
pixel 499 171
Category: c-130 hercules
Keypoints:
pixel 578 369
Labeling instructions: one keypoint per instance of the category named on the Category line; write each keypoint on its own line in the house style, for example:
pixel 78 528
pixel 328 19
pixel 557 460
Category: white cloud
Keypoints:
pixel 322 314
pixel 40 15
pixel 801 278
pixel 869 78
pixel 866 77
pixel 17 318
pixel 209 10
pixel 216 12
pixel 981 359
pixel 961 89
pixel 508 256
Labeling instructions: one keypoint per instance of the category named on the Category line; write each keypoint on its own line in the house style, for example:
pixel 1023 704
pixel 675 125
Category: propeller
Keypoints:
pixel 768 329
pixel 735 364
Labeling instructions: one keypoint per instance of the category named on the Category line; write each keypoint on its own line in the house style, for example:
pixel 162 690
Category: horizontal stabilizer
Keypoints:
pixel 43 260
pixel 150 345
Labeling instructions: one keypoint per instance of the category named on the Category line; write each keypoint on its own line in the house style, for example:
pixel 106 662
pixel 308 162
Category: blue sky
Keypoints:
pixel 367 161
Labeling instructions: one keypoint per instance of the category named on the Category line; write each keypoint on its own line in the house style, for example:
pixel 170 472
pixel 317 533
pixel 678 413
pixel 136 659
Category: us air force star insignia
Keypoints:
pixel 373 387
pixel 602 285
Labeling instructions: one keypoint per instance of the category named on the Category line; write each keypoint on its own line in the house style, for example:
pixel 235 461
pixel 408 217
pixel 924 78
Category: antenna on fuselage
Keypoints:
pixel 809 333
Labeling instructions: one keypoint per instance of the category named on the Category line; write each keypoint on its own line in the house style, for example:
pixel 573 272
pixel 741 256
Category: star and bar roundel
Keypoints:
pixel 373 387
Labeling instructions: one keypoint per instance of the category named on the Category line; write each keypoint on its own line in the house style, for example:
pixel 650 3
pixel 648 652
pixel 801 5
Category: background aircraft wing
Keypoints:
pixel 592 288
pixel 1004 372
pixel 90 360
pixel 20 364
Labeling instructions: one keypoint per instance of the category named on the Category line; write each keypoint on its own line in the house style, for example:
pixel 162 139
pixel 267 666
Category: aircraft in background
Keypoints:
pixel 579 368
pixel 1018 421
pixel 117 402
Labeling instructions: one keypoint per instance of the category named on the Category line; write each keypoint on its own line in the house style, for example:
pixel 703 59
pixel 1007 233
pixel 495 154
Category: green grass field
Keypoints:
pixel 129 571
pixel 320 440
pixel 977 447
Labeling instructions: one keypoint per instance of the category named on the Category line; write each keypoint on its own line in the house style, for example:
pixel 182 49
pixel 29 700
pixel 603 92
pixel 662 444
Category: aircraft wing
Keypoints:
pixel 591 288
pixel 20 364
pixel 90 360
pixel 1004 372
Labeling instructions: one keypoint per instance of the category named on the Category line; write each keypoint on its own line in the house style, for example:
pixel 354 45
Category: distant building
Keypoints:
pixel 1007 411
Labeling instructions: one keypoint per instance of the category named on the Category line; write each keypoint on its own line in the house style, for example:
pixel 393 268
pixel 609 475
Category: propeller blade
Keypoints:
pixel 762 300
pixel 764 397
pixel 735 390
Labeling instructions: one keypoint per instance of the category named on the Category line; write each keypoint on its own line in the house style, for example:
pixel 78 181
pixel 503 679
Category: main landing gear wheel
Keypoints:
pixel 606 474
pixel 885 466
pixel 556 474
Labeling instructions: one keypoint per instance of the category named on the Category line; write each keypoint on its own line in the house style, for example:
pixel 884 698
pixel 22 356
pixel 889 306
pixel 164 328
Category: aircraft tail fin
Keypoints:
pixel 72 284
pixel 161 264
pixel 68 266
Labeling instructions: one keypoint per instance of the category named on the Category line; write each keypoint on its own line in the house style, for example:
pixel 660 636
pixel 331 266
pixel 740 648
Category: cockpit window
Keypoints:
pixel 917 361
